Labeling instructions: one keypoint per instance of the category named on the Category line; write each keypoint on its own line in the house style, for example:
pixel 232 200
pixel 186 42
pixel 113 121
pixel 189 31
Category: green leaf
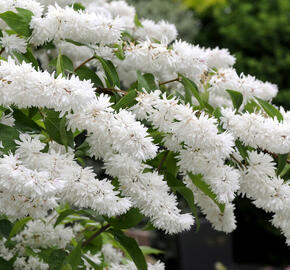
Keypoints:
pixel 87 213
pixel 84 73
pixel 270 109
pixel 110 72
pixel 126 101
pixel 120 52
pixel 53 127
pixel 25 14
pixel 142 83
pixel 237 98
pixel 178 186
pixel 18 226
pixel 17 23
pixel 74 258
pixel 205 188
pixel 53 257
pixel 7 137
pixel 282 161
pixel 131 247
pixel 150 81
pixel 149 250
pixel 126 221
pixel 64 63
pixel 63 132
pixel 137 22
pixel 24 123
pixel 242 149
pixel 28 57
pixel 6 265
pixel 59 65
pixel 191 89
pixel 78 6
pixel 5 227
pixel 67 267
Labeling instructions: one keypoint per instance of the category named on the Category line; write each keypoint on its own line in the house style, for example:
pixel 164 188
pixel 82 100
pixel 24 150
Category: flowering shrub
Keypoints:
pixel 162 117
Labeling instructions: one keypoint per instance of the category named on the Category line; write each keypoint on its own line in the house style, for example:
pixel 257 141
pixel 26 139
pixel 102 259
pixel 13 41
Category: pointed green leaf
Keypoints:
pixel 16 23
pixel 131 247
pixel 242 149
pixel 8 135
pixel 110 72
pixel 137 22
pixel 191 90
pixel 126 221
pixel 282 161
pixel 84 73
pixel 126 101
pixel 237 98
pixel 74 258
pixel 18 226
pixel 270 109
pixel 205 188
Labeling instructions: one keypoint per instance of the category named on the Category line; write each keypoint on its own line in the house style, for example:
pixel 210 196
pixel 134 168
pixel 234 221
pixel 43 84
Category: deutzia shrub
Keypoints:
pixel 105 118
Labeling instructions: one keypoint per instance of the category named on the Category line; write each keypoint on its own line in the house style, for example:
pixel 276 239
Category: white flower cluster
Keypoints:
pixel 201 150
pixel 269 192
pixel 259 130
pixel 33 182
pixel 116 137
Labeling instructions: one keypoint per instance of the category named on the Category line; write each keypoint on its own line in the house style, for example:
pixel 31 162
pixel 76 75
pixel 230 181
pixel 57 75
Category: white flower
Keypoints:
pixel 13 43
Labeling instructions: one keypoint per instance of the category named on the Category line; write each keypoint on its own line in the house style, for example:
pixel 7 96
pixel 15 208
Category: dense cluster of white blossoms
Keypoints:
pixel 41 175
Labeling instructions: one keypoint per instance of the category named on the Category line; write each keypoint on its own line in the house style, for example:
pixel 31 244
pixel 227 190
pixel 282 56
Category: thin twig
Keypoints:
pixel 112 90
pixel 170 81
pixel 2 50
pixel 238 162
pixel 83 63
pixel 275 155
pixel 96 234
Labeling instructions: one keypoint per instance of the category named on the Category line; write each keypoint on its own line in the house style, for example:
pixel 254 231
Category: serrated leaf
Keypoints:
pixel 7 136
pixel 18 226
pixel 17 23
pixel 131 247
pixel 270 109
pixel 205 188
pixel 84 73
pixel 110 72
pixel 191 90
pixel 126 101
pixel 236 97
pixel 282 161
pixel 25 14
pixel 127 220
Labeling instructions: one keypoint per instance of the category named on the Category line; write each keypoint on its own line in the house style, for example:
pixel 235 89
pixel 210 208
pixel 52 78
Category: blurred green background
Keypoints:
pixel 256 32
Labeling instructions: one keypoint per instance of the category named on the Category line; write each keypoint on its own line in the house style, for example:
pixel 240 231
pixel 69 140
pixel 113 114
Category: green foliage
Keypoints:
pixel 237 98
pixel 172 11
pixel 258 33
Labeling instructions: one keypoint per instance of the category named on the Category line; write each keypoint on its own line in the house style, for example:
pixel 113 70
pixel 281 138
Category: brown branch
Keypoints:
pixel 274 155
pixel 83 63
pixel 170 81
pixel 96 234
pixel 242 166
pixel 102 89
